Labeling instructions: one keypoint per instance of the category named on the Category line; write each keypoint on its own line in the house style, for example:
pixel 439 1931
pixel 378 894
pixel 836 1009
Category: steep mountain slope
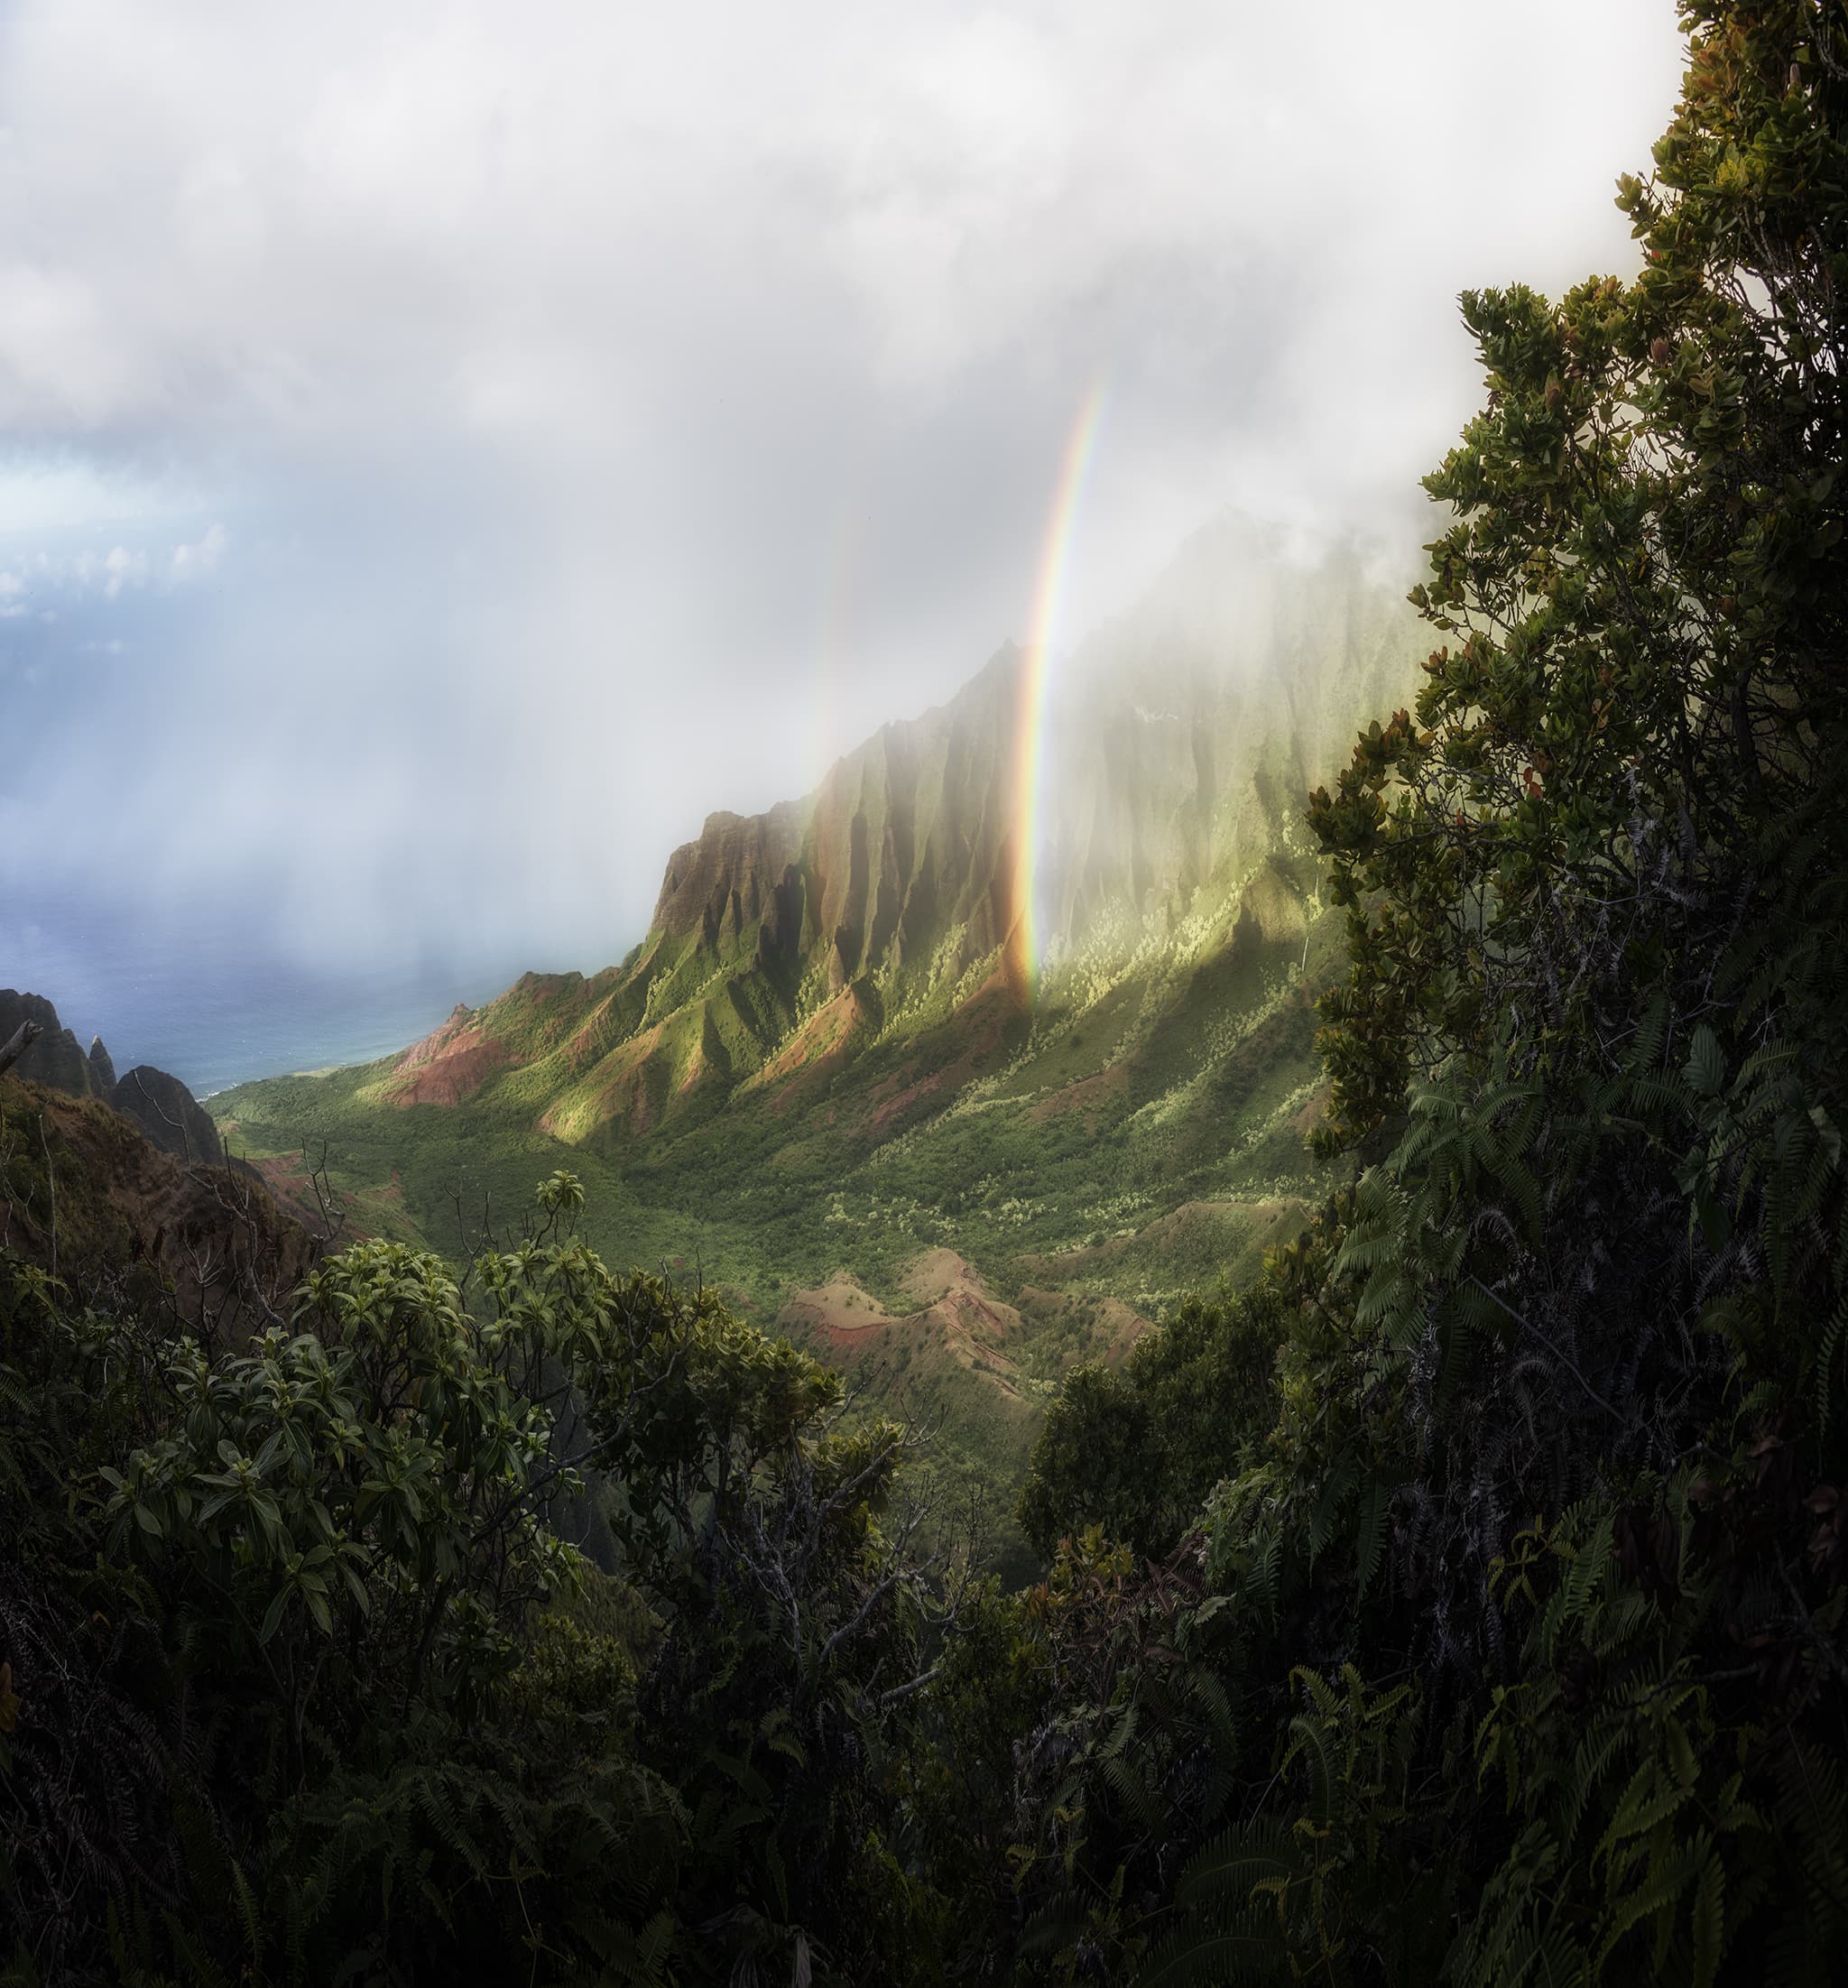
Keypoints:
pixel 826 1058
pixel 784 944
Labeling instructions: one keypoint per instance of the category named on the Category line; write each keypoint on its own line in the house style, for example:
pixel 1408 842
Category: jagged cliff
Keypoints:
pixel 127 1179
pixel 166 1112
pixel 1182 740
pixel 53 1057
pixel 906 842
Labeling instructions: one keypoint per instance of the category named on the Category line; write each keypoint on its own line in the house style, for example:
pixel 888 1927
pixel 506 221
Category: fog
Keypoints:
pixel 444 451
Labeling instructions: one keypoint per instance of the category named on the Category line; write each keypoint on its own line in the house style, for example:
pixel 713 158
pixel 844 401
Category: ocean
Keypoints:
pixel 198 997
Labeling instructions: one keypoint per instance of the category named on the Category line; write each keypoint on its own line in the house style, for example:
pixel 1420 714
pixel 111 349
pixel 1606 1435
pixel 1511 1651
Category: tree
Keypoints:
pixel 1627 754
pixel 1547 1529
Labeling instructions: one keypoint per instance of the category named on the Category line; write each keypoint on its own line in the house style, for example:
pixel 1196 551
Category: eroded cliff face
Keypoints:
pixel 1187 734
pixel 1182 742
pixel 905 843
pixel 718 892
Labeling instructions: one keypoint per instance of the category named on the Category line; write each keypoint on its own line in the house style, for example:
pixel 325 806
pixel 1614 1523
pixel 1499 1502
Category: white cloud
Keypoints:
pixel 200 558
pixel 59 492
pixel 735 345
pixel 62 364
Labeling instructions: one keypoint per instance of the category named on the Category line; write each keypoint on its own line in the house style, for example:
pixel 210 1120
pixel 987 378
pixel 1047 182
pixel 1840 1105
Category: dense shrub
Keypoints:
pixel 302 1680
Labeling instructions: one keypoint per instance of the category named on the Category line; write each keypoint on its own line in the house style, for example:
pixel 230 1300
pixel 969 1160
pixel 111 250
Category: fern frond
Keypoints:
pixel 1247 1950
pixel 1227 1867
pixel 1370 1538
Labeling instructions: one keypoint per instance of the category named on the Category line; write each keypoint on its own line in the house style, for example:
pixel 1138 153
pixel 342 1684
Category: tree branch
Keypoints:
pixel 18 1043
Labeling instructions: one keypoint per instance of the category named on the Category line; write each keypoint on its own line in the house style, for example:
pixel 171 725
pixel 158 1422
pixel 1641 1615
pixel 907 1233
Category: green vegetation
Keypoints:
pixel 1463 1598
pixel 1094 1169
pixel 303 1684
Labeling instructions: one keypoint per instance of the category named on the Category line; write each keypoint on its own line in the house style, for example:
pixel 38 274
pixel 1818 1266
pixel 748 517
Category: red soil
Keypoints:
pixel 1089 1094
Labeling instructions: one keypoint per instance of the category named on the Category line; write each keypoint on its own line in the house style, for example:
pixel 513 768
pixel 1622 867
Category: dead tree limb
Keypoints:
pixel 18 1043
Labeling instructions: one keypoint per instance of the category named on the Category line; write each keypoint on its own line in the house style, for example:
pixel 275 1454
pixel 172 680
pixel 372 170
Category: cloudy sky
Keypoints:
pixel 445 450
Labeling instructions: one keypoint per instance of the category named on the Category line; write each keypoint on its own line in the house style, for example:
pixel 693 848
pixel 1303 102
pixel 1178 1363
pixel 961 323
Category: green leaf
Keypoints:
pixel 1709 1921
pixel 1707 1064
pixel 272 1617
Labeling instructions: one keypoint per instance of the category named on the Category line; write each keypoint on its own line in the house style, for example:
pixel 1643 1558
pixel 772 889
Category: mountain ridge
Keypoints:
pixel 167 1112
pixel 1174 770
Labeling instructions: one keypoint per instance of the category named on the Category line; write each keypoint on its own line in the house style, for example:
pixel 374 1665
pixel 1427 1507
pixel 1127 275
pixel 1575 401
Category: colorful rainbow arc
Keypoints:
pixel 1029 731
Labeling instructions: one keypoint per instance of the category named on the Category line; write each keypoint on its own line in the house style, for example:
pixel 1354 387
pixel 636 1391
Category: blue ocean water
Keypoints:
pixel 198 997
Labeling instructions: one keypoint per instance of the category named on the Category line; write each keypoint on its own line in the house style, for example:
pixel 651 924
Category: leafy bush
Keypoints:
pixel 303 1680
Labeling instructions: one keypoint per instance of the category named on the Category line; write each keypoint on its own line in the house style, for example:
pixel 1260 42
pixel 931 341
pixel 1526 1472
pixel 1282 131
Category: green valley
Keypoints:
pixel 823 1068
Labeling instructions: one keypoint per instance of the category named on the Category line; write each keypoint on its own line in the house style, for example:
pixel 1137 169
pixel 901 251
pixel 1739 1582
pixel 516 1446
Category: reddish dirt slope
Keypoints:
pixel 983 1021
pixel 450 1064
pixel 956 1319
pixel 821 1046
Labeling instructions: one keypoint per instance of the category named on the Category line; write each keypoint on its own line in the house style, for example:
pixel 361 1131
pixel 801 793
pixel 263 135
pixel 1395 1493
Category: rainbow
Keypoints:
pixel 1036 669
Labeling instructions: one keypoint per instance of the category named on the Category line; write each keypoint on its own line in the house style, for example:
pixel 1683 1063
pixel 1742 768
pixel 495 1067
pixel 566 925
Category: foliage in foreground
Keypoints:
pixel 1539 1578
pixel 304 1680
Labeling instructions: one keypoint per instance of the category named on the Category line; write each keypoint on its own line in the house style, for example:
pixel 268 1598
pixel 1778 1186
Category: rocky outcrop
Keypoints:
pixel 719 890
pixel 166 1112
pixel 56 1058
pixel 168 1115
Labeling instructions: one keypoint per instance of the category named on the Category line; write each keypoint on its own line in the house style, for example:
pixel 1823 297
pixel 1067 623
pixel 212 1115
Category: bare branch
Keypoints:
pixel 18 1043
